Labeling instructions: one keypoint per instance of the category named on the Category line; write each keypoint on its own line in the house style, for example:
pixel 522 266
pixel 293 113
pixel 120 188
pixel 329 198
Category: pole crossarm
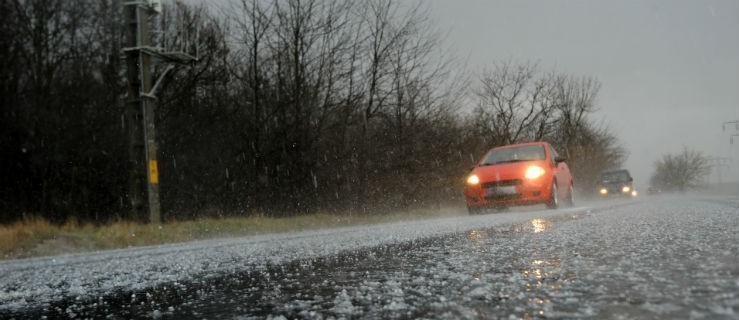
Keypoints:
pixel 152 93
pixel 735 122
pixel 154 6
pixel 178 57
pixel 140 3
pixel 719 159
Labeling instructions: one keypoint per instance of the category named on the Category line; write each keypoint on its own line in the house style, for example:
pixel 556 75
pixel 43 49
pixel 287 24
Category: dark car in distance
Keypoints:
pixel 616 182
pixel 652 190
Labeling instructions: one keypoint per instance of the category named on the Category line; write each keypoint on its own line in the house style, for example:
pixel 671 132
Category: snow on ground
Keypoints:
pixel 663 257
pixel 38 282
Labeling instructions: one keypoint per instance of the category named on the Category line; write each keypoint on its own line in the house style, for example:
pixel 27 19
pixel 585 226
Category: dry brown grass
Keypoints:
pixel 23 235
pixel 38 237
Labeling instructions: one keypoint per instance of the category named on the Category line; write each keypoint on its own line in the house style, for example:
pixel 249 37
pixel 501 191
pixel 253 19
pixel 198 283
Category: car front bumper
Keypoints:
pixel 615 192
pixel 525 193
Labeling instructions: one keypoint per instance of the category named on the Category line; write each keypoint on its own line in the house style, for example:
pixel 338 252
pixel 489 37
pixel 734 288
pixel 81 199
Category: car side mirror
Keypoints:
pixel 559 159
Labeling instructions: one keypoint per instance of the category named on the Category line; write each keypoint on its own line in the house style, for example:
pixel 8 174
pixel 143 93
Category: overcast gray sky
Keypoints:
pixel 669 69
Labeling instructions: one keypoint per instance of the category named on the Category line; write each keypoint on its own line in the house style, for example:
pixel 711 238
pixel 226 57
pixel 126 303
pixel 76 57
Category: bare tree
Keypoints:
pixel 193 111
pixel 515 104
pixel 60 81
pixel 575 100
pixel 679 172
pixel 590 147
pixel 423 92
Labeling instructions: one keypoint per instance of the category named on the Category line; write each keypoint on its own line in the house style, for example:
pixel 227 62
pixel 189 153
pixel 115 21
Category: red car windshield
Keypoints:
pixel 514 154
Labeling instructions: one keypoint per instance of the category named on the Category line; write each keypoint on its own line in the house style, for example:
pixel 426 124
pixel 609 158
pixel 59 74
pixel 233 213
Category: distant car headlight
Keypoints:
pixel 626 189
pixel 473 179
pixel 633 193
pixel 534 172
pixel 603 191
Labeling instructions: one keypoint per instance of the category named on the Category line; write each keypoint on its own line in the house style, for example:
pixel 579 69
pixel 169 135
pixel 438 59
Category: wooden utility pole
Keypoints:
pixel 140 114
pixel 143 165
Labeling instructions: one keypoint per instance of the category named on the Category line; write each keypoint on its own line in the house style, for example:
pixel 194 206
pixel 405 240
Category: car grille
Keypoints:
pixel 614 189
pixel 501 183
pixel 499 197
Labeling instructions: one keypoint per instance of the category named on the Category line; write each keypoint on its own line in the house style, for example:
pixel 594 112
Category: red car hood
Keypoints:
pixel 505 171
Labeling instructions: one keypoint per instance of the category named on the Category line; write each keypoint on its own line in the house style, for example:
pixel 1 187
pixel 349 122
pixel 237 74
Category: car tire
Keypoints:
pixel 571 197
pixel 553 197
pixel 472 211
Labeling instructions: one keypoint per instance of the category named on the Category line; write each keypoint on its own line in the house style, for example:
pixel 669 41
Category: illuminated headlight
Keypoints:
pixel 633 193
pixel 473 180
pixel 534 172
pixel 603 191
pixel 626 189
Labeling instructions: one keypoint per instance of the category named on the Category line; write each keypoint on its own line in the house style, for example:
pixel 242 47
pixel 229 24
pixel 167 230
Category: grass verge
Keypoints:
pixel 37 237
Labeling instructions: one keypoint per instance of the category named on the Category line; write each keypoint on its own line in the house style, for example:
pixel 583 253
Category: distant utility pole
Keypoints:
pixel 143 166
pixel 718 163
pixel 736 126
pixel 735 122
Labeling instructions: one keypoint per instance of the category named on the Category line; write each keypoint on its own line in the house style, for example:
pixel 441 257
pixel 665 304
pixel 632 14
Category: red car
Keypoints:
pixel 520 174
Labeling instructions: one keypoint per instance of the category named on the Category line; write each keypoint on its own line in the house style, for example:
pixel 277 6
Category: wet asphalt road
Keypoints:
pixel 657 258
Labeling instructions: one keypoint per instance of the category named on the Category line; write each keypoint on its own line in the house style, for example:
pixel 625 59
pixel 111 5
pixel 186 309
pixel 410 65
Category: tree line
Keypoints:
pixel 292 107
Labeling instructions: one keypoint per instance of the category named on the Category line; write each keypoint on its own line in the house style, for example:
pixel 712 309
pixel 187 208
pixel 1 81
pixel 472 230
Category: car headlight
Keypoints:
pixel 534 172
pixel 603 191
pixel 626 189
pixel 473 179
pixel 633 193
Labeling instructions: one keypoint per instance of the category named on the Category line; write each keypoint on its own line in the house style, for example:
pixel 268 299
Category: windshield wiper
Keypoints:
pixel 512 160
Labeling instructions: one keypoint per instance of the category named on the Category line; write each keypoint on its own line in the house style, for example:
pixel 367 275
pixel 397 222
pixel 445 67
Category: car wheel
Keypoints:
pixel 571 197
pixel 553 197
pixel 472 211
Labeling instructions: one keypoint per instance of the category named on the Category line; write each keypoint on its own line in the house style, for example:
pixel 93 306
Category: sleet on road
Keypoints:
pixel 662 258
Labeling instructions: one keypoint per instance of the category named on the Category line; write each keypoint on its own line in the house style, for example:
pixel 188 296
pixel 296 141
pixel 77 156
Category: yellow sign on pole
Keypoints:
pixel 153 172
